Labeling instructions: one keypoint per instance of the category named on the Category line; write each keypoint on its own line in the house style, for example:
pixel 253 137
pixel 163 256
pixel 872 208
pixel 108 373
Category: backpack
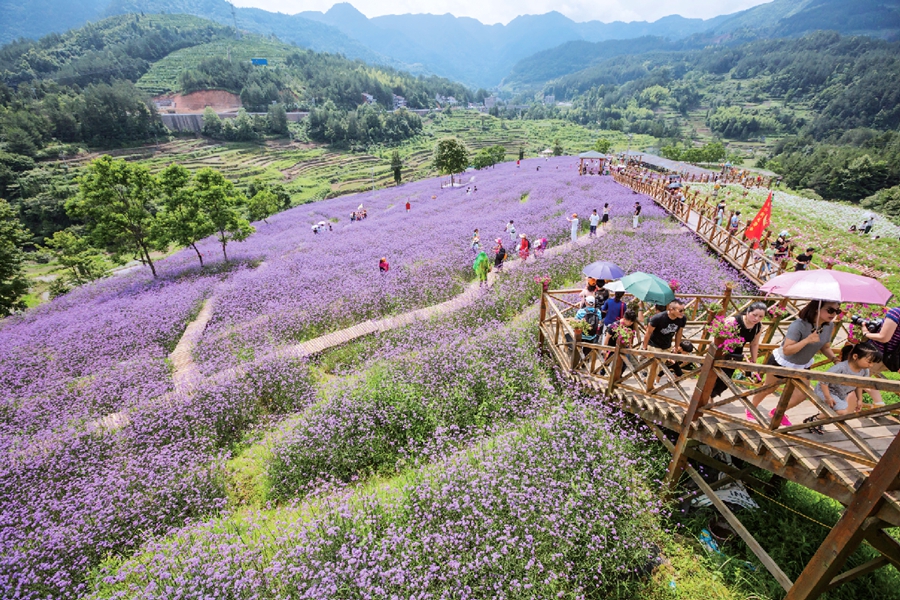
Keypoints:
pixel 592 318
pixel 501 253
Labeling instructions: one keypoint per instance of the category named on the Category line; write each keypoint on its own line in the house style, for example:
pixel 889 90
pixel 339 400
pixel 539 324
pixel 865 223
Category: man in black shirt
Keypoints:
pixel 804 259
pixel 663 329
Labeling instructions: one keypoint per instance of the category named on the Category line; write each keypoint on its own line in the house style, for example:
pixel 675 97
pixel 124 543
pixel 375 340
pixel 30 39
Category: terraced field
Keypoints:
pixel 310 172
pixel 162 78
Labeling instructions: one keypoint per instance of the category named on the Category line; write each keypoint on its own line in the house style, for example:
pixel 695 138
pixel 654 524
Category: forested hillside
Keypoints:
pixel 831 103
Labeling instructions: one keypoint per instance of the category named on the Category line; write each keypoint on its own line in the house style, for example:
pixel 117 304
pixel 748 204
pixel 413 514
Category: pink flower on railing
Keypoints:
pixel 777 312
pixel 674 284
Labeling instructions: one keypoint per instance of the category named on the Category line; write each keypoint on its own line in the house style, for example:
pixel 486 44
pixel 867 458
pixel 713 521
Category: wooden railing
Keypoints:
pixel 700 310
pixel 698 215
pixel 628 369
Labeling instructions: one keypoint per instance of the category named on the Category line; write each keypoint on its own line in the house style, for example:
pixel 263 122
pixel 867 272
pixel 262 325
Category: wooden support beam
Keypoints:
pixel 857 572
pixel 760 553
pixel 850 529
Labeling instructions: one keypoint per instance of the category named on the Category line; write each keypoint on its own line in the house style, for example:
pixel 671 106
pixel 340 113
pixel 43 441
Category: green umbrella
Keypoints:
pixel 648 288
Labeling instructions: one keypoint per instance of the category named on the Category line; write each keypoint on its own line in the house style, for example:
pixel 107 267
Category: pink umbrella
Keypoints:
pixel 828 285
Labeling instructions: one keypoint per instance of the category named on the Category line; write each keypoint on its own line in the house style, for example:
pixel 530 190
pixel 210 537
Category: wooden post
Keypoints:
pixel 576 351
pixel 699 399
pixel 850 530
pixel 541 340
pixel 615 369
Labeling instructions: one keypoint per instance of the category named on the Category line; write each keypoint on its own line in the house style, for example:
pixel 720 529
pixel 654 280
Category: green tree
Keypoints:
pixel 557 148
pixel 483 159
pixel 220 202
pixel 450 156
pixel 182 221
pixel 83 262
pixel 277 118
pixel 116 203
pixel 13 284
pixel 498 154
pixel 396 166
pixel 521 153
pixel 262 205
pixel 212 124
pixel 603 146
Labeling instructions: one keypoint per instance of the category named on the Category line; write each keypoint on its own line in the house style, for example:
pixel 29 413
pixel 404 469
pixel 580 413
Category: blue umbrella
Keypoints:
pixel 603 270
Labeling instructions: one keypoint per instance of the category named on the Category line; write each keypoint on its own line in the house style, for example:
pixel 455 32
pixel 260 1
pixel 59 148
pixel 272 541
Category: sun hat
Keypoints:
pixel 589 300
pixel 498 240
pixel 521 235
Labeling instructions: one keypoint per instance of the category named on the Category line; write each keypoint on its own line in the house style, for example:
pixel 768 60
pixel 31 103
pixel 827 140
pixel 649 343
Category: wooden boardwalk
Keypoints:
pixel 856 461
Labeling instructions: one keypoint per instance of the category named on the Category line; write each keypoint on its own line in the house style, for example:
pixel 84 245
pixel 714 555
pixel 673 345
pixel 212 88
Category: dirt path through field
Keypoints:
pixel 186 372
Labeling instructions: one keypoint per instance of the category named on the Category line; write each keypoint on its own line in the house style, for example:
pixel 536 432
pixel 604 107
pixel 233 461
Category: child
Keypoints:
pixel 844 399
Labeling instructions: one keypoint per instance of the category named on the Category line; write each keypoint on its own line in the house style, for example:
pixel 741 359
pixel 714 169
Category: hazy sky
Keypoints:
pixel 503 11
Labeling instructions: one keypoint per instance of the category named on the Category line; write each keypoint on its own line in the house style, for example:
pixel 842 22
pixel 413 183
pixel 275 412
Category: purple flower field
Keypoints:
pixel 73 493
pixel 555 508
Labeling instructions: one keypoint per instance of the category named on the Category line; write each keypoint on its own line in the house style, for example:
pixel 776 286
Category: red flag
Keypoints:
pixel 762 220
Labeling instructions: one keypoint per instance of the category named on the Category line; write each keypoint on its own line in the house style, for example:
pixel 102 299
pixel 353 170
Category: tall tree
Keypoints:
pixel 557 148
pixel 83 262
pixel 262 205
pixel 13 284
pixel 220 201
pixel 603 146
pixel 182 220
pixel 450 156
pixel 396 166
pixel 116 202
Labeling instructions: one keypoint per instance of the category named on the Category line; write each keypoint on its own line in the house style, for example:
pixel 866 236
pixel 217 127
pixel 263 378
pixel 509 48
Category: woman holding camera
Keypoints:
pixel 808 335
pixel 888 341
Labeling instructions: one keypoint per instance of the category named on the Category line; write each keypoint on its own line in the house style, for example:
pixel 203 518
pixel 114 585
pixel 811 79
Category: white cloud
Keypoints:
pixel 503 11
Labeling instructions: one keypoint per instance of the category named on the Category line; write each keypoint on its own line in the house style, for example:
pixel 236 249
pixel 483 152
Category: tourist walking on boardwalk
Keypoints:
pixel 805 337
pixel 613 309
pixel 843 399
pixel 594 221
pixel 499 254
pixel 574 221
pixel 664 328
pixel 720 214
pixel 803 261
pixel 476 242
pixel 511 230
pixel 605 219
pixel 383 265
pixel 482 266
pixel 888 341
pixel 636 216
pixel 591 316
pixel 524 247
pixel 749 323
pixel 734 223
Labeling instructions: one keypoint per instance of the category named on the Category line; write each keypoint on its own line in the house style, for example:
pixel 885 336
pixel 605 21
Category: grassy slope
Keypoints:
pixel 163 76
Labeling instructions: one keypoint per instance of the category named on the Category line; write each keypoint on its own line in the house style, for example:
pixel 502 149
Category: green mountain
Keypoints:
pixel 780 18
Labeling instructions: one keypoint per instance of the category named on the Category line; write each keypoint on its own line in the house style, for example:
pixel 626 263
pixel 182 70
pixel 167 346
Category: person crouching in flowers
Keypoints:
pixel 383 265
pixel 844 399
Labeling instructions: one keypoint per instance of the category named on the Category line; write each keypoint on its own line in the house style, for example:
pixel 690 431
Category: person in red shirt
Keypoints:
pixel 408 206
pixel 383 265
